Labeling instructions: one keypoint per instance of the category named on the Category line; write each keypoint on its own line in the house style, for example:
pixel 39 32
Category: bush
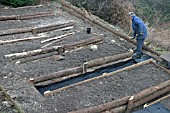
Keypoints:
pixel 18 3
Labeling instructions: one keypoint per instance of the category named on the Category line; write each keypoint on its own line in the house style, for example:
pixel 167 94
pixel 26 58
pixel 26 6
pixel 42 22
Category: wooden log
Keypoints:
pixel 104 107
pixel 138 101
pixel 36 29
pixel 48 82
pixel 12 17
pixel 58 74
pixel 20 40
pixel 151 90
pixel 30 59
pixel 108 59
pixel 152 96
pixel 107 27
pixel 25 17
pixel 58 37
pixel 31 53
pixel 38 15
pixel 122 109
pixel 15 31
pixel 51 27
pixel 83 42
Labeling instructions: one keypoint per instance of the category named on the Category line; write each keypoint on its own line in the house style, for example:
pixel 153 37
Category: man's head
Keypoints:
pixel 130 14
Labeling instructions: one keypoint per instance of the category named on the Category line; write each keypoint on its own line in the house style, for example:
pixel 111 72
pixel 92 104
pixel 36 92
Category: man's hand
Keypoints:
pixel 140 34
pixel 133 38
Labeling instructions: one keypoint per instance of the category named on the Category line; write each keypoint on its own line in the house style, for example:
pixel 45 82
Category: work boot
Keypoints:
pixel 136 56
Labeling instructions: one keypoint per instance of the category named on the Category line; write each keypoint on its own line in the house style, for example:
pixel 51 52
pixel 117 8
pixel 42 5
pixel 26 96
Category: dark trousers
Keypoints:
pixel 140 42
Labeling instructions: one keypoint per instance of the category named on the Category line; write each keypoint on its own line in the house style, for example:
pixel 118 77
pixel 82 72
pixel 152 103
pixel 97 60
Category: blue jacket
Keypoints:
pixel 139 27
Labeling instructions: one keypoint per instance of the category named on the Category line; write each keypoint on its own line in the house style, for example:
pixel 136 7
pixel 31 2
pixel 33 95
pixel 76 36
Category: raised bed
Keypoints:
pixel 110 87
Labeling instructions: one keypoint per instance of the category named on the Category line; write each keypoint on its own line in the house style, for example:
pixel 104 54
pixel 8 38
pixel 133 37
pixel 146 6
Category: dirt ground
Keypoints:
pixel 14 78
pixel 6 106
pixel 109 88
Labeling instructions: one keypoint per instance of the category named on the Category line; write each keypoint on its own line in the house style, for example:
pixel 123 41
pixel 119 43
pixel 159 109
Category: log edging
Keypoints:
pixel 89 64
pixel 102 76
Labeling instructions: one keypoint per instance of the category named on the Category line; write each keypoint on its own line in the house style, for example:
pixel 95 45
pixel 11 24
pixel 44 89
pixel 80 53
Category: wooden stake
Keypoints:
pixel 130 104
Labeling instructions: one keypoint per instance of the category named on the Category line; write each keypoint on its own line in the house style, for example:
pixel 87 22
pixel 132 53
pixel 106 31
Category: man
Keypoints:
pixel 139 32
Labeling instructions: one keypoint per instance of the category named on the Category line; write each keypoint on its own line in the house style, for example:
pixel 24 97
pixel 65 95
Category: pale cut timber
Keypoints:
pixel 83 42
pixel 95 62
pixel 20 40
pixel 57 40
pixel 102 76
pixel 58 37
pixel 31 53
pixel 107 27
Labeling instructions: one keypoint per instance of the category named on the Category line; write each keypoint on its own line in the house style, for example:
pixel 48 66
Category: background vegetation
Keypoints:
pixel 18 3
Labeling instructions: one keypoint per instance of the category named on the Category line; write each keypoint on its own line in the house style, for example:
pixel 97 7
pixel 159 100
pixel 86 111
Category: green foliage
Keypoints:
pixel 18 3
pixel 153 11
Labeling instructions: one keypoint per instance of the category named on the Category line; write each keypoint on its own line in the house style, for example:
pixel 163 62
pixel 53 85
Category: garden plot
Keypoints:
pixel 108 88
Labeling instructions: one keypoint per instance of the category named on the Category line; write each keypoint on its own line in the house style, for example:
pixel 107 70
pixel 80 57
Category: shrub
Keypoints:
pixel 18 3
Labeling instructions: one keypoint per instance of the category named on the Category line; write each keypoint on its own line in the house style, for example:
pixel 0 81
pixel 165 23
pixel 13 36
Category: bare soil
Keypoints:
pixel 109 88
pixel 14 78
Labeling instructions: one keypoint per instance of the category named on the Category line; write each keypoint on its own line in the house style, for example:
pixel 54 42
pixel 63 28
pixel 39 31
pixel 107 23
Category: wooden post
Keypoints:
pixel 130 104
pixel 85 67
pixel 58 74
